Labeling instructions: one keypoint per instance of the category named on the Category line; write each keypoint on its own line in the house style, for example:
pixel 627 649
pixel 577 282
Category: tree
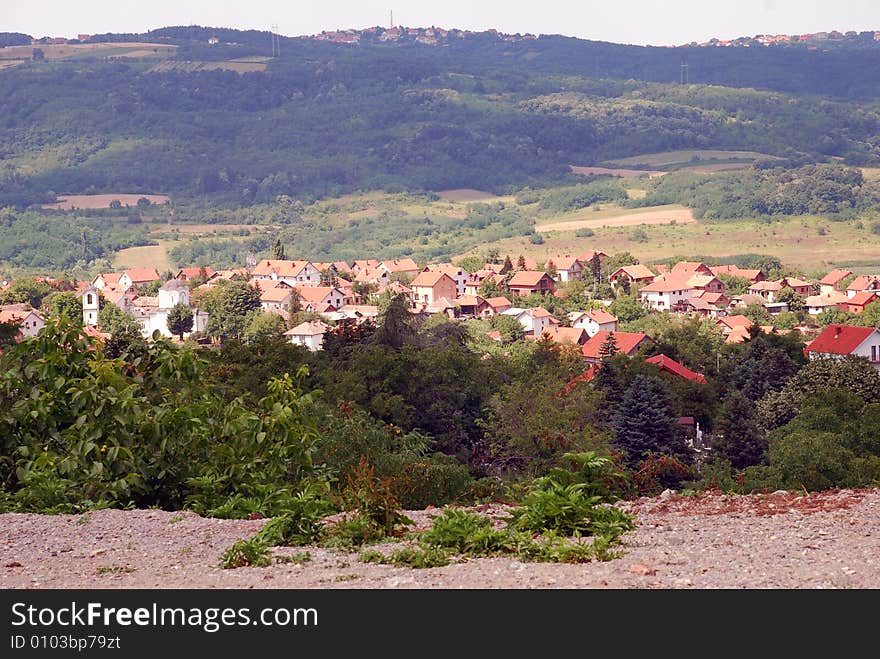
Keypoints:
pixel 550 269
pixel 229 307
pixel 521 262
pixel 66 304
pixel 26 290
pixel 180 319
pixel 38 55
pixel 264 327
pixel 507 267
pixel 608 348
pixel 144 202
pixel 596 267
pixel 794 300
pixel 737 437
pixel 511 329
pixel 645 423
pixel 278 250
pixel 113 320
pixel 115 204
pixel 396 324
pixel 628 308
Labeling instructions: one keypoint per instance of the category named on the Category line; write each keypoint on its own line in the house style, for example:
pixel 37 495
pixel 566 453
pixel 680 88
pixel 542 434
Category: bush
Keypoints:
pixel 584 233
pixel 245 553
pixel 536 239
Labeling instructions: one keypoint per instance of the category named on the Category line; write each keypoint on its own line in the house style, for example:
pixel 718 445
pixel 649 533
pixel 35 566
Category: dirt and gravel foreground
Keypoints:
pixel 784 540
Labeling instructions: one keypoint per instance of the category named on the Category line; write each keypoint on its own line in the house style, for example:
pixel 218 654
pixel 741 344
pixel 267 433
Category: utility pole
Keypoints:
pixel 684 72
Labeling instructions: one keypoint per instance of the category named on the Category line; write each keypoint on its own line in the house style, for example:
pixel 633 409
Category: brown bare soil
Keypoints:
pixel 679 216
pixel 70 202
pixel 783 540
pixel 66 51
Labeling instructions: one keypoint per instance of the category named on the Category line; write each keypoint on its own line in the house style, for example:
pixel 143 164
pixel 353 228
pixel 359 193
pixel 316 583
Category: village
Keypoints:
pixel 328 293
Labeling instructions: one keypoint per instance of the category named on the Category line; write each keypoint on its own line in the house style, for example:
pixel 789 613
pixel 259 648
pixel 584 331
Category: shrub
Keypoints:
pixel 536 239
pixel 584 233
pixel 245 553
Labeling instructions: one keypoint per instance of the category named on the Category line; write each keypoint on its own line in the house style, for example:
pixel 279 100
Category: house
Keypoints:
pixel 105 279
pixel 719 300
pixel 459 275
pixel 753 276
pixel 628 343
pixel 406 267
pixel 534 321
pixel 276 299
pixel 837 341
pixel 186 274
pixel 671 366
pixel 858 302
pixel 633 275
pixel 495 306
pixel 730 323
pixel 139 277
pixel 309 334
pixel 768 290
pixel 431 285
pixel 833 281
pixel 367 275
pixel 863 283
pixel 816 304
pixel 700 307
pixel 691 268
pixel 471 305
pixel 291 272
pixel 593 321
pixel 526 282
pixel 475 281
pixel 320 298
pixel 572 335
pixel 667 293
pixel 361 264
pixel 799 286
pixel 29 321
pixel 567 267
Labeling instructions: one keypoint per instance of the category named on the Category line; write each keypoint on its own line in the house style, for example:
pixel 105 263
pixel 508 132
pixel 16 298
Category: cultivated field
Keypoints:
pixel 87 201
pixel 99 49
pixel 687 156
pixel 466 194
pixel 150 256
pixel 623 173
pixel 672 214
pixel 239 66
pixel 811 244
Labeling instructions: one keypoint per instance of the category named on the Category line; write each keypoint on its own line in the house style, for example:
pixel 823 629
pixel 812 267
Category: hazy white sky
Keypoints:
pixel 654 22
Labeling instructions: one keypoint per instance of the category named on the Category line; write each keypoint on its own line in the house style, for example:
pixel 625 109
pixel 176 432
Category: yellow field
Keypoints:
pixel 671 214
pixel 150 256
pixel 99 49
pixel 796 242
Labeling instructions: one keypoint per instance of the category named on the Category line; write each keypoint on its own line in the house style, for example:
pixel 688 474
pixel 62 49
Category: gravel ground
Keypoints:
pixel 780 540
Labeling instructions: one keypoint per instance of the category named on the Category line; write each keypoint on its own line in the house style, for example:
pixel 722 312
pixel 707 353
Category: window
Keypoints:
pixel 873 353
pixel 89 298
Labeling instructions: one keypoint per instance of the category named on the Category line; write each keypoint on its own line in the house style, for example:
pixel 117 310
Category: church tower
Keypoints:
pixel 91 306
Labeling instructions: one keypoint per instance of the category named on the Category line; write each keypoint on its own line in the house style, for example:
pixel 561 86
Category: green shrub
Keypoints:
pixel 584 233
pixel 302 525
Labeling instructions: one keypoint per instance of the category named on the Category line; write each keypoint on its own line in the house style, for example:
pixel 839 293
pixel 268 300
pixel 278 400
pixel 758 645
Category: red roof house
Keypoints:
pixel 627 343
pixel 671 366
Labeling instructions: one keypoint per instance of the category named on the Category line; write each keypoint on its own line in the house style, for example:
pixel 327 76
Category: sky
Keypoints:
pixel 640 22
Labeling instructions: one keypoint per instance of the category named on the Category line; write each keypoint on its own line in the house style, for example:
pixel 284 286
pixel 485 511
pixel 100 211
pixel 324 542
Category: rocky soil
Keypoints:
pixel 781 540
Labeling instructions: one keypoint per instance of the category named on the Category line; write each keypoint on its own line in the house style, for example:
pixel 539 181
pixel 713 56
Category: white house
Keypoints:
pixel 593 321
pixel 567 268
pixel 534 321
pixel 29 321
pixel 309 334
pixel 460 276
pixel 666 294
pixel 836 341
pixel 292 273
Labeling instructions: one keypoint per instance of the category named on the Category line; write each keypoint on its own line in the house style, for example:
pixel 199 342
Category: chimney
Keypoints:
pixel 836 331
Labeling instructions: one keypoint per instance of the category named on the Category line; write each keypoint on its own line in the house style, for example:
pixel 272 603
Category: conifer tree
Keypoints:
pixel 645 422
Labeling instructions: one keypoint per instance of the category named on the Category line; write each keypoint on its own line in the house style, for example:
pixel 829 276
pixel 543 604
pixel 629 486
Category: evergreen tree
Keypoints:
pixel 645 422
pixel 596 267
pixel 521 262
pixel 608 348
pixel 507 267
pixel 278 250
pixel 738 438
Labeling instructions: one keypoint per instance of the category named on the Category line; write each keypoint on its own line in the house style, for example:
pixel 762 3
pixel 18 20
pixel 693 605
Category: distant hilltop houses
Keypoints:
pixel 816 38
pixel 428 36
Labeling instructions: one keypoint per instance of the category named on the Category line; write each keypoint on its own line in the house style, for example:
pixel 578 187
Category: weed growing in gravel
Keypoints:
pixel 301 525
pixel 347 577
pixel 246 553
pixel 299 558
pixel 114 569
pixel 414 557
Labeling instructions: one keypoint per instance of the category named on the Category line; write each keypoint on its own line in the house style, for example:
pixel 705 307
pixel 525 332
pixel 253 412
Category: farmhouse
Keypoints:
pixel 858 302
pixel 567 267
pixel 836 341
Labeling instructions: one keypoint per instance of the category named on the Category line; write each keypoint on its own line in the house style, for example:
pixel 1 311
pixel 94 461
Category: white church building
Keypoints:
pixel 151 313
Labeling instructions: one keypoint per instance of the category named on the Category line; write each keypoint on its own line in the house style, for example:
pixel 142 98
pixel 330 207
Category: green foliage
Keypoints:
pixel 64 303
pixel 230 306
pixel 26 290
pixel 628 308
pixel 264 327
pixel 302 524
pixel 113 320
pixel 737 438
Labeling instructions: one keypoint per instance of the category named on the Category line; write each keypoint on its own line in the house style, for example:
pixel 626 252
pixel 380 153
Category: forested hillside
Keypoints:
pixel 478 112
